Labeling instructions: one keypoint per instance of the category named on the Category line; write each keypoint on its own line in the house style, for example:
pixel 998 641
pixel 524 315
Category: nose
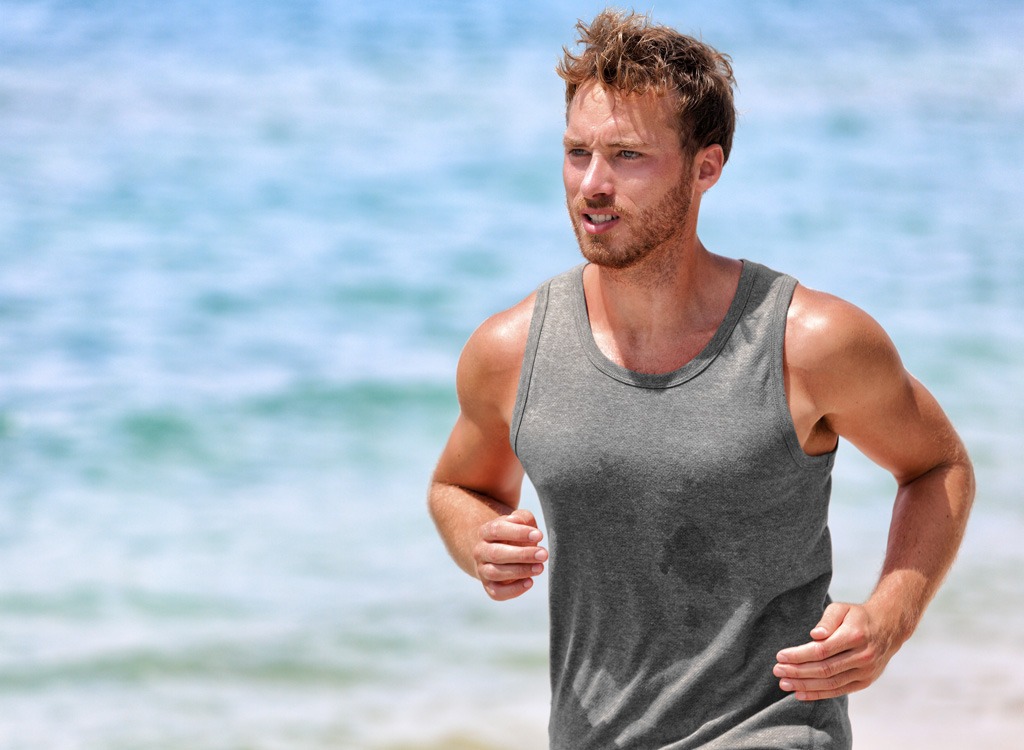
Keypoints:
pixel 597 179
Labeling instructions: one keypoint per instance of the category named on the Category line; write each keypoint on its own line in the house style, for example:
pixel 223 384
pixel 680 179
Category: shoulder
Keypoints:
pixel 848 380
pixel 836 351
pixel 488 371
pixel 823 325
pixel 499 342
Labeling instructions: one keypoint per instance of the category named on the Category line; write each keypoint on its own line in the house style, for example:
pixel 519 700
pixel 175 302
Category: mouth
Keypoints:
pixel 595 223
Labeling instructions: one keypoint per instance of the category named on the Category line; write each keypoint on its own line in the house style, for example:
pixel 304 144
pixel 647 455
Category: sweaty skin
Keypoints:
pixel 655 296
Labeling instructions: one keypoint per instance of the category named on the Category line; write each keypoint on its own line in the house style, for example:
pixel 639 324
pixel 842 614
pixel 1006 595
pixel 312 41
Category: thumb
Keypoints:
pixel 830 621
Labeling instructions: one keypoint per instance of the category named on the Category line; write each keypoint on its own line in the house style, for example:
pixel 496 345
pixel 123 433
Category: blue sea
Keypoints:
pixel 241 246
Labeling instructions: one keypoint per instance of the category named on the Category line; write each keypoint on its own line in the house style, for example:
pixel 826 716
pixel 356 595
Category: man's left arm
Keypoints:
pixel 849 371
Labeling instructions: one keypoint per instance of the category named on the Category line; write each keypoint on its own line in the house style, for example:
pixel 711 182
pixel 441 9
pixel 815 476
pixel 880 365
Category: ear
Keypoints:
pixel 708 165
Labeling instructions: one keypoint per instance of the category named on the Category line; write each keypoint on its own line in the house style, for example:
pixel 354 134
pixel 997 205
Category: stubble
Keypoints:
pixel 651 231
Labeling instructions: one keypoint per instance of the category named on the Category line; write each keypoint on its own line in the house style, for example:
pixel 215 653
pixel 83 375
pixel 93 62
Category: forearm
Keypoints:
pixel 852 644
pixel 928 522
pixel 458 514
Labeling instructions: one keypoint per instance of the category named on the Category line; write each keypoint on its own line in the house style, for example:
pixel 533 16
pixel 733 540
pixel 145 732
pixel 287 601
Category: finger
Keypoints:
pixel 814 651
pixel 505 573
pixel 820 648
pixel 523 516
pixel 831 619
pixel 831 685
pixel 504 530
pixel 824 691
pixel 825 675
pixel 504 591
pixel 504 554
pixel 843 639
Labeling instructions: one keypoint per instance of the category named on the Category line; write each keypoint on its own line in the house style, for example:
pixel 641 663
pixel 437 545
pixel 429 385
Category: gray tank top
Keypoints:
pixel 687 530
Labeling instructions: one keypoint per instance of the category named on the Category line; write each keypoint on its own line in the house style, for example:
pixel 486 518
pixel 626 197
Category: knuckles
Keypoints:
pixel 504 530
pixel 487 572
pixel 489 531
pixel 818 651
pixel 858 636
pixel 493 572
pixel 828 670
pixel 500 592
pixel 866 657
pixel 480 553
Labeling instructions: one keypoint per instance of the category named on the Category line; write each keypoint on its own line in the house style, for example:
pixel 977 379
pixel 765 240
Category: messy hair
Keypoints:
pixel 626 53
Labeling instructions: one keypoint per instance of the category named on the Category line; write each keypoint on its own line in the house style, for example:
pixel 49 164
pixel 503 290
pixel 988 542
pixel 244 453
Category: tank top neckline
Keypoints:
pixel 690 369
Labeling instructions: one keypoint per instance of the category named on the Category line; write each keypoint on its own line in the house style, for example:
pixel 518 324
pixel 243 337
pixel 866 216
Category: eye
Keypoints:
pixel 577 152
pixel 630 155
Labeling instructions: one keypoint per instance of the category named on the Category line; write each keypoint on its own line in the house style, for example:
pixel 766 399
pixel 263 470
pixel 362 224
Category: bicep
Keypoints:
pixel 852 383
pixel 900 427
pixel 883 410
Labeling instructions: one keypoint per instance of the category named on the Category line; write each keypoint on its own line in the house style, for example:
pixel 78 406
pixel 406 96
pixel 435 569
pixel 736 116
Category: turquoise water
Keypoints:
pixel 241 247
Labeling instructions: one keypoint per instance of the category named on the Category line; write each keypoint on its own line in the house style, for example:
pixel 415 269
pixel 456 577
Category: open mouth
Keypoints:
pixel 597 223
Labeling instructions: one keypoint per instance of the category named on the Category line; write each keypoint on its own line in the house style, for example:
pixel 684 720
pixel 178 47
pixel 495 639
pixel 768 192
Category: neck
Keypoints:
pixel 657 316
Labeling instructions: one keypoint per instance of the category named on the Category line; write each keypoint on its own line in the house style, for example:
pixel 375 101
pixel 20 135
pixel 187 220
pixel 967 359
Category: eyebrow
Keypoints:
pixel 626 145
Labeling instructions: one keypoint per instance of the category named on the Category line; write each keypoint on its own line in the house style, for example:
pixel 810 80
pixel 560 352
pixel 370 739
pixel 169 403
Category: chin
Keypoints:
pixel 600 254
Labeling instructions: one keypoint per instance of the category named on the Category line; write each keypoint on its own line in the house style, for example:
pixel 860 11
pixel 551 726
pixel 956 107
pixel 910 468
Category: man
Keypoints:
pixel 678 413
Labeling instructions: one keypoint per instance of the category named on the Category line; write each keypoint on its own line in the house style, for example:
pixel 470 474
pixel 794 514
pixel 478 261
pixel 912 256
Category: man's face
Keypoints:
pixel 628 184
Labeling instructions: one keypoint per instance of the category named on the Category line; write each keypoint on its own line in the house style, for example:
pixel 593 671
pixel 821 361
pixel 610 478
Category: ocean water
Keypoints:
pixel 241 246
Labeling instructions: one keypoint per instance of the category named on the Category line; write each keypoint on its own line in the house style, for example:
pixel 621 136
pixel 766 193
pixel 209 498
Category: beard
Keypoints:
pixel 649 230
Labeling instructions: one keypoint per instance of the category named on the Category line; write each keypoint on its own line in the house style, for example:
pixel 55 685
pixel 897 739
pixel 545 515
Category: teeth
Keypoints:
pixel 601 218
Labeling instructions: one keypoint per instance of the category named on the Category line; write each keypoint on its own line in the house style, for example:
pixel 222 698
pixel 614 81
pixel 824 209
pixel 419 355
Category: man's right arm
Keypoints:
pixel 474 494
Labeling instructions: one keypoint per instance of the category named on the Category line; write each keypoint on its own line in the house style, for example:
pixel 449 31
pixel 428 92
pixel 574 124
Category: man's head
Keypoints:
pixel 649 121
pixel 627 54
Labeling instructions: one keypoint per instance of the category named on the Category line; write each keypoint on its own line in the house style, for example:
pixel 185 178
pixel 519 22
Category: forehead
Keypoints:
pixel 597 113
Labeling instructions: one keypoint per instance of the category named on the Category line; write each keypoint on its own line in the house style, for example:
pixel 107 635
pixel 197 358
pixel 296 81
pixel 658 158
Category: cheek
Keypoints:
pixel 571 177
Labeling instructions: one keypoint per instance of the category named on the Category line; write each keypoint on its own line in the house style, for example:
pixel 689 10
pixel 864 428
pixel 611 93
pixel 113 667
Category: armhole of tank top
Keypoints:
pixel 540 307
pixel 783 299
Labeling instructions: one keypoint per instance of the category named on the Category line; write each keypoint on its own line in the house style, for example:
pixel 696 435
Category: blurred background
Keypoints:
pixel 241 246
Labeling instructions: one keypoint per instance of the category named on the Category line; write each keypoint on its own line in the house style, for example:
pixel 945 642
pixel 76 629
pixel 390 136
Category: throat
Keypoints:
pixel 657 330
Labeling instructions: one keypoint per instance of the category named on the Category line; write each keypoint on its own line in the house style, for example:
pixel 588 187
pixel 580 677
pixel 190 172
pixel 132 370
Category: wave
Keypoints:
pixel 309 428
pixel 224 661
